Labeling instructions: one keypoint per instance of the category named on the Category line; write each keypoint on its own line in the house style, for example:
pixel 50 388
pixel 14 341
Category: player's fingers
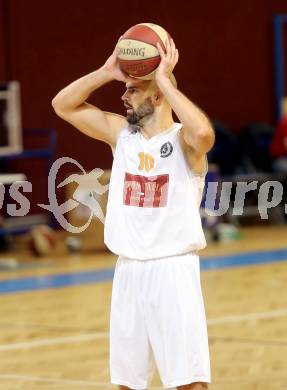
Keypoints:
pixel 172 45
pixel 172 50
pixel 175 54
pixel 168 48
pixel 116 48
pixel 159 48
pixel 175 57
pixel 115 51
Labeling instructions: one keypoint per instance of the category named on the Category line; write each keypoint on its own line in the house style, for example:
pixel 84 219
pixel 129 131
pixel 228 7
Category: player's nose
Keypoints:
pixel 124 96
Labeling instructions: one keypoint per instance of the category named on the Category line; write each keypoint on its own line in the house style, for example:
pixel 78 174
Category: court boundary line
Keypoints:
pixel 54 380
pixel 54 341
pixel 76 382
pixel 93 276
pixel 73 382
pixel 104 335
pixel 248 317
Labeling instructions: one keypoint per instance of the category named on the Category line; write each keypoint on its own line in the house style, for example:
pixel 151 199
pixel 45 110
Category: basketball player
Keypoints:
pixel 152 222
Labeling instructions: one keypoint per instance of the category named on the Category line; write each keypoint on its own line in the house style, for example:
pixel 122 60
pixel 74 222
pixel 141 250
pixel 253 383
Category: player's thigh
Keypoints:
pixel 176 322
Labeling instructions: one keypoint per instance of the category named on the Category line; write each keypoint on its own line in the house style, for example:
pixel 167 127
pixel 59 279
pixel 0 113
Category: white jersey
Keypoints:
pixel 154 198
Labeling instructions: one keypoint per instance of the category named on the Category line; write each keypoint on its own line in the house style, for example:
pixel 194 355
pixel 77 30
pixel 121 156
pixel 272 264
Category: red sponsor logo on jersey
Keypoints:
pixel 144 191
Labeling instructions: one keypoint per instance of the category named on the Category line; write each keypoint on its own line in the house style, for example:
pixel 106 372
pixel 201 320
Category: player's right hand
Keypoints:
pixel 112 66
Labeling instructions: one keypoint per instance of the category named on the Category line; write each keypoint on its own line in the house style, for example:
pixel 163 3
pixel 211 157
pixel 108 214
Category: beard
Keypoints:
pixel 138 117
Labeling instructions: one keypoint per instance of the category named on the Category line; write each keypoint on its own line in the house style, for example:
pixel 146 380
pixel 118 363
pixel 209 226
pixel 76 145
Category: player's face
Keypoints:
pixel 138 102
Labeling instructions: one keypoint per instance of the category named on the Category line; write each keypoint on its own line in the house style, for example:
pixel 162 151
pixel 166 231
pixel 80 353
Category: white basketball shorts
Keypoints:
pixel 158 320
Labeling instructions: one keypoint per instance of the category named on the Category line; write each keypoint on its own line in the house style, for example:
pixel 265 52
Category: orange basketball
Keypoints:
pixel 137 52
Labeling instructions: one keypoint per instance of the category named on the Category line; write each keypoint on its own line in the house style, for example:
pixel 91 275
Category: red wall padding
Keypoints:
pixel 226 57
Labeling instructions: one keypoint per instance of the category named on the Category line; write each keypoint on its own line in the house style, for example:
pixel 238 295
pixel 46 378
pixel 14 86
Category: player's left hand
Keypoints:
pixel 168 60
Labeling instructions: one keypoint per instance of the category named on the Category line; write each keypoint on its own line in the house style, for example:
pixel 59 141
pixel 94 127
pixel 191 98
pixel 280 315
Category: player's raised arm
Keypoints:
pixel 71 103
pixel 197 130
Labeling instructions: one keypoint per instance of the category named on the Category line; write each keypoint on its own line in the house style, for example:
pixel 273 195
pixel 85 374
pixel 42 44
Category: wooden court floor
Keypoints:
pixel 57 338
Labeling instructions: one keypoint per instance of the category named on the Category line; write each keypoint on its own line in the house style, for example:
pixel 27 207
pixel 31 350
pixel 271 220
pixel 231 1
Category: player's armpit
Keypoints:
pixel 95 123
pixel 197 161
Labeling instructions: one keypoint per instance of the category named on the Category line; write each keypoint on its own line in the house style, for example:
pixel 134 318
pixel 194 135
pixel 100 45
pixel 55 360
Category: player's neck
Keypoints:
pixel 156 125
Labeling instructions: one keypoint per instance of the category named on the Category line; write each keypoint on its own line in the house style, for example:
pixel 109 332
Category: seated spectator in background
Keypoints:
pixel 279 143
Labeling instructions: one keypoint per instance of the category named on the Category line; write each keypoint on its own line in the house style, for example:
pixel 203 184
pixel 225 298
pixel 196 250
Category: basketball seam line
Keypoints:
pixel 140 59
pixel 140 40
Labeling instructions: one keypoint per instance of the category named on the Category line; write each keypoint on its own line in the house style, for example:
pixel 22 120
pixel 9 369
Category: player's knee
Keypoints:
pixel 124 388
pixel 194 386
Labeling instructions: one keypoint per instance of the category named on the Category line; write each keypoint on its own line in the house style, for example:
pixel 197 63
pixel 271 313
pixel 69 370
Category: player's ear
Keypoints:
pixel 158 97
